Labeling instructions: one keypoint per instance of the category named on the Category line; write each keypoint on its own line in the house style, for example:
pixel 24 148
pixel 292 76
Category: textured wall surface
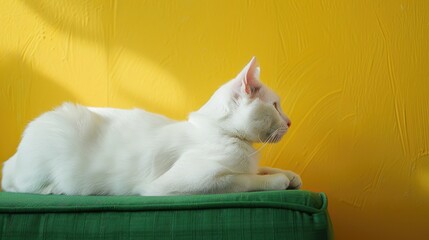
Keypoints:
pixel 354 77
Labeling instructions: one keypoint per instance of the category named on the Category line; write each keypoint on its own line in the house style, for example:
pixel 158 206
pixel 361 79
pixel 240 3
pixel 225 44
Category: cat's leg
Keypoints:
pixel 190 175
pixel 224 183
pixel 295 179
pixel 179 180
pixel 255 182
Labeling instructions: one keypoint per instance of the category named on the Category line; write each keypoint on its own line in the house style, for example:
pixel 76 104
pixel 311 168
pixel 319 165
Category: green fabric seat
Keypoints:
pixel 290 214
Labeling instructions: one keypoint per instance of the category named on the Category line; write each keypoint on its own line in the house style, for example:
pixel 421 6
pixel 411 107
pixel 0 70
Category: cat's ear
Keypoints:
pixel 249 78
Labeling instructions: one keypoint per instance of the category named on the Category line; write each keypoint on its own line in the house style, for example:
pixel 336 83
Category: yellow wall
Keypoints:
pixel 353 76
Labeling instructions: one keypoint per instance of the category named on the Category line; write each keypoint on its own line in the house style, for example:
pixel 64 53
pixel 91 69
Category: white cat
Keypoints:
pixel 78 150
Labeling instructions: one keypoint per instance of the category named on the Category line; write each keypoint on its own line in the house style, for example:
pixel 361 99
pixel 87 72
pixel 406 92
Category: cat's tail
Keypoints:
pixel 7 179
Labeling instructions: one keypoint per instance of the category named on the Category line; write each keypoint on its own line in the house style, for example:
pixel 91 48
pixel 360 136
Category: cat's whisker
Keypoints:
pixel 273 137
pixel 260 148
pixel 269 151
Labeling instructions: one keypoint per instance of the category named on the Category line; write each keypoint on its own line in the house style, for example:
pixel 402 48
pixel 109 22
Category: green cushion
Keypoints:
pixel 291 214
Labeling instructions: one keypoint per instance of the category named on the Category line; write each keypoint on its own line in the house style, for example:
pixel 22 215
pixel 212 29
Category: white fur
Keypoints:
pixel 78 150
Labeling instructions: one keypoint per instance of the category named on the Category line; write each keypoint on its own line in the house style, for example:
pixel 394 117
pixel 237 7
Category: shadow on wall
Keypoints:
pixel 159 42
pixel 25 93
pixel 63 15
pixel 139 66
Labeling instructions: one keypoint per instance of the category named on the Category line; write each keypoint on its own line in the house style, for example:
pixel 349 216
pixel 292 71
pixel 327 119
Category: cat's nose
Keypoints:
pixel 288 123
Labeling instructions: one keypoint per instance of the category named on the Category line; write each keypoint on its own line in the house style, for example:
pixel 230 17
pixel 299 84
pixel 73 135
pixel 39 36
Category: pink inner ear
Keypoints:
pixel 247 87
pixel 248 78
pixel 251 77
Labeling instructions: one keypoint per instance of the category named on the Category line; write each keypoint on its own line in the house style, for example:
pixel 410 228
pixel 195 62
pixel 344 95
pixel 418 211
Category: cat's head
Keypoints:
pixel 248 109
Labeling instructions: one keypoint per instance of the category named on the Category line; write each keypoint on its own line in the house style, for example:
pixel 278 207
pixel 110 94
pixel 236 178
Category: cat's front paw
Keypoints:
pixel 278 181
pixel 295 180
